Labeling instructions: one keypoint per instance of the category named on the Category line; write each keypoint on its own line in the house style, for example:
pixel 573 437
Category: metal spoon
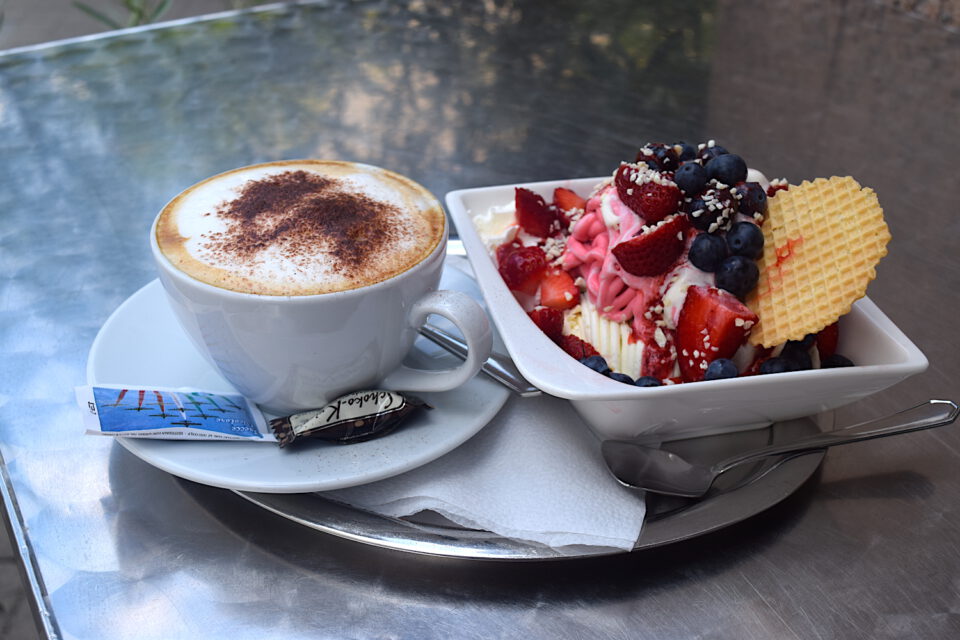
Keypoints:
pixel 498 366
pixel 663 472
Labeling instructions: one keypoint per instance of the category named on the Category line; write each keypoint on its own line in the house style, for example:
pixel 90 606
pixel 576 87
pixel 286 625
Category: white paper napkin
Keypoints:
pixel 533 474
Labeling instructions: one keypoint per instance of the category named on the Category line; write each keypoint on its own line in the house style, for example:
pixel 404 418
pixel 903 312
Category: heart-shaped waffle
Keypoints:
pixel 822 242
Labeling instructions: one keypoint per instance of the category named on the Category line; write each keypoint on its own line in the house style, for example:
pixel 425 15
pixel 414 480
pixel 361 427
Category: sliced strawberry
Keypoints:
pixel 567 200
pixel 761 355
pixel 558 291
pixel 653 252
pixel 533 214
pixel 652 200
pixel 550 321
pixel 577 348
pixel 659 354
pixel 506 249
pixel 657 361
pixel 522 268
pixel 827 341
pixel 712 324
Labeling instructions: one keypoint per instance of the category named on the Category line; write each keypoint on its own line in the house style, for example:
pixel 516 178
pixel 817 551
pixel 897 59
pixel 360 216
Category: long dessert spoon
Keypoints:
pixel 659 471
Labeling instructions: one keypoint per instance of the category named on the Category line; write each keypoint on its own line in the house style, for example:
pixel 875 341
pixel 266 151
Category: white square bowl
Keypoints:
pixel 882 353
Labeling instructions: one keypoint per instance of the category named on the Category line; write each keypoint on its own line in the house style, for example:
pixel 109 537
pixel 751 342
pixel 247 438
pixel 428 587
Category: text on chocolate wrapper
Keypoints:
pixel 360 404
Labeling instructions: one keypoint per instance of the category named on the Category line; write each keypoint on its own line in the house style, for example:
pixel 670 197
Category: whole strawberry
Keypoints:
pixel 521 267
pixel 647 192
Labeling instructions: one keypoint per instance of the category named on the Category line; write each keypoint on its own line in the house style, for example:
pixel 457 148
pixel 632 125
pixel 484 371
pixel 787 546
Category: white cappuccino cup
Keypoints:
pixel 303 280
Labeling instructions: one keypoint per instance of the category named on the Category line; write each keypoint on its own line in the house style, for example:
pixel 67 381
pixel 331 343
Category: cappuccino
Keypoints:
pixel 300 228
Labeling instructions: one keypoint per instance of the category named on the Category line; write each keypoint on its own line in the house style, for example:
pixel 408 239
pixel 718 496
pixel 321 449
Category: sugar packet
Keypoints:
pixel 171 414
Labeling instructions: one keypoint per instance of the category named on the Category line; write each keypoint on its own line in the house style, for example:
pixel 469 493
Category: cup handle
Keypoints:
pixel 470 319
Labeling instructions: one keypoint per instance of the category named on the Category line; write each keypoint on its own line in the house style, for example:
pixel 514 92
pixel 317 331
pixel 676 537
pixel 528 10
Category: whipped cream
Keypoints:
pixel 497 225
pixel 683 276
pixel 755 176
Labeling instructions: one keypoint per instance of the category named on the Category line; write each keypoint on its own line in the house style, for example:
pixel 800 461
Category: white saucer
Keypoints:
pixel 142 344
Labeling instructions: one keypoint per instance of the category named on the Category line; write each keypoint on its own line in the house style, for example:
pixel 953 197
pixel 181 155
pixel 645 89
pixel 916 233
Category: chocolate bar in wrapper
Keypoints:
pixel 355 417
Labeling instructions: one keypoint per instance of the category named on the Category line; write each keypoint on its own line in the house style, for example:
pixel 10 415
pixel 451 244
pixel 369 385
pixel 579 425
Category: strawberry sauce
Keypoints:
pixel 784 253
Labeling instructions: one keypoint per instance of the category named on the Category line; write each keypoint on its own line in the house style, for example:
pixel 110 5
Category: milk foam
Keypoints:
pixel 194 232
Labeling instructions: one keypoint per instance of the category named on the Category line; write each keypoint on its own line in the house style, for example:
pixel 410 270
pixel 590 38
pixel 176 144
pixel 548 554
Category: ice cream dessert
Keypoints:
pixel 652 278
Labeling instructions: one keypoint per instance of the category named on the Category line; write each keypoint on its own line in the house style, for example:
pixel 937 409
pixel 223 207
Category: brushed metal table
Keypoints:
pixel 96 134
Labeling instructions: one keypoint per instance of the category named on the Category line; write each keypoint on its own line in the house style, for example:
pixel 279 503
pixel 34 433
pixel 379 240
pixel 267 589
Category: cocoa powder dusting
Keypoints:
pixel 302 214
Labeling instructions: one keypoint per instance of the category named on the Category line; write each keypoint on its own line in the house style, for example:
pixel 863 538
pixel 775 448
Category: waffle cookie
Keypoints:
pixel 822 242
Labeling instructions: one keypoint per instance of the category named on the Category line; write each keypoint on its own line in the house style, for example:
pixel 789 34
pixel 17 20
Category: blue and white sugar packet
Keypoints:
pixel 172 414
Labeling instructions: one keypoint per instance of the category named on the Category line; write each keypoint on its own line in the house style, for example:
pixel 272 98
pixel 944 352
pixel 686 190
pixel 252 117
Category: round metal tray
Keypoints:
pixel 735 497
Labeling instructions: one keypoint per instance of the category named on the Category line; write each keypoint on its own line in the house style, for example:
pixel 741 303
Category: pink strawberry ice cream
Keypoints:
pixel 619 295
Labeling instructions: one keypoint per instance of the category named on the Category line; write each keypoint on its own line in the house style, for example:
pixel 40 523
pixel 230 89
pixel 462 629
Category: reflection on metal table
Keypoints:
pixel 96 135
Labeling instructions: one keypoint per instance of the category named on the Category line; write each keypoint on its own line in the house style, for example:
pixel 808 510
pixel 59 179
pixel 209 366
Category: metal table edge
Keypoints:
pixel 27 560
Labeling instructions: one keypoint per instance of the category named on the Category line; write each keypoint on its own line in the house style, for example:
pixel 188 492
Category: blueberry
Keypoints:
pixel 687 151
pixel 667 158
pixel 659 157
pixel 707 252
pixel 804 344
pixel 620 377
pixel 702 217
pixel 696 209
pixel 597 363
pixel 728 168
pixel 798 358
pixel 774 365
pixel 721 368
pixel 691 178
pixel 738 275
pixel 712 210
pixel 648 381
pixel 745 239
pixel 646 155
pixel 753 199
pixel 709 153
pixel 834 361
